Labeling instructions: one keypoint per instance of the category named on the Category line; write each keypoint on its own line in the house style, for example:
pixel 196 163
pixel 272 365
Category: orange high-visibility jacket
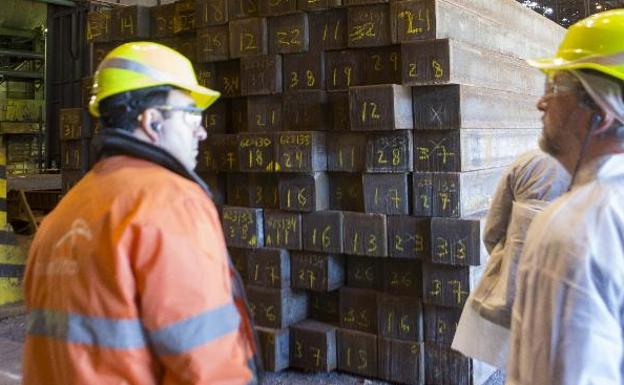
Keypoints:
pixel 128 282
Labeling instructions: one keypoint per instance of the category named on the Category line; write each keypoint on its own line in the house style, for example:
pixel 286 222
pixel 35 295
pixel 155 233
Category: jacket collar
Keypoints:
pixel 604 167
pixel 113 141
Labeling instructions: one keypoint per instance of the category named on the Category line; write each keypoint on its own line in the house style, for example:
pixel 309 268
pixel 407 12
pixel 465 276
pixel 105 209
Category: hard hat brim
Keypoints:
pixel 203 97
pixel 548 65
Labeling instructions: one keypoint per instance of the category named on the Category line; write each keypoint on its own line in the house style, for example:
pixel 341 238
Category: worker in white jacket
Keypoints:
pixel 567 325
pixel 532 181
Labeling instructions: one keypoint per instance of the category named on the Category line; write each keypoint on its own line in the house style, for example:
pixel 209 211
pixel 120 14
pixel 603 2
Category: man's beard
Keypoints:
pixel 549 146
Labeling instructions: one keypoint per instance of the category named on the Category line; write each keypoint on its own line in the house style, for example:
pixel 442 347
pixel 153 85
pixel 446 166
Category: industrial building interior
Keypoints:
pixel 50 50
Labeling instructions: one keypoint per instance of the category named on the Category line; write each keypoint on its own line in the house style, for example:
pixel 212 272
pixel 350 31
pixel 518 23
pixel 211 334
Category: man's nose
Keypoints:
pixel 542 104
pixel 201 132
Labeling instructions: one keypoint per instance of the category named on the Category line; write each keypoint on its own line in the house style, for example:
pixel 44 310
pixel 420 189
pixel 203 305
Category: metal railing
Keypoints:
pixel 568 12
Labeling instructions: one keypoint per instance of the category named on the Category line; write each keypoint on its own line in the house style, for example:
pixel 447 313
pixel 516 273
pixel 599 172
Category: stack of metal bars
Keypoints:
pixel 353 153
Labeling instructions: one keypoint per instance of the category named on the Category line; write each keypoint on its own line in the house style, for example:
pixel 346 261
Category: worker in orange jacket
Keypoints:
pixel 128 280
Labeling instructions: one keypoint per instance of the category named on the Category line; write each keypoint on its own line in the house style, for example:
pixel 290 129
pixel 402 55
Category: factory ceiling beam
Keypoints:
pixel 66 3
pixel 5 31
pixel 21 54
pixel 21 74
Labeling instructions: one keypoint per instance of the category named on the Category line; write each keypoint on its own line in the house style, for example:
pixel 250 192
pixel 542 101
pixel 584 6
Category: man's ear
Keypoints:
pixel 600 122
pixel 150 124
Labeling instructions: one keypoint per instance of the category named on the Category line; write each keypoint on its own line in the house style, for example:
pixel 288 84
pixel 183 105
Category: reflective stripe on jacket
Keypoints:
pixel 128 282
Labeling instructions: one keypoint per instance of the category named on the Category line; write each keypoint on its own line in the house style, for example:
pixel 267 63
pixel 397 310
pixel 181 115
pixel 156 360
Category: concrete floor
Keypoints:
pixel 12 333
pixel 11 363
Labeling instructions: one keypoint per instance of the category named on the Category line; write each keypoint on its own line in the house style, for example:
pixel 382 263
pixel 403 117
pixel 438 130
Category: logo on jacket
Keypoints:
pixel 79 228
pixel 63 259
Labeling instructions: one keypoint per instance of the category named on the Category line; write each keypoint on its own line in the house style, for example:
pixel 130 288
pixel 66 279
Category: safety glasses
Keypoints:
pixel 192 116
pixel 559 83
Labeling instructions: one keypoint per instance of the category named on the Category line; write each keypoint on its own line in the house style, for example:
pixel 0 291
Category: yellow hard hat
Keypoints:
pixel 596 43
pixel 137 65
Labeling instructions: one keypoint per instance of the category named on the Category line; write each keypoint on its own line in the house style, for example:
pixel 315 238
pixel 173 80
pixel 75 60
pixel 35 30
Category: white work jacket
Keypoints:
pixel 567 317
pixel 532 181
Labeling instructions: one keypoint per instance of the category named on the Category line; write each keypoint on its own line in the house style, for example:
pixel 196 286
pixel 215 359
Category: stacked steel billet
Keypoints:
pixel 75 135
pixel 273 151
pixel 105 29
pixel 473 104
pixel 353 152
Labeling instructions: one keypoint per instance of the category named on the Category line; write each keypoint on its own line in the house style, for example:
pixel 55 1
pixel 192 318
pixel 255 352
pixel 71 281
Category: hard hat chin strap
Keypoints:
pixel 595 122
